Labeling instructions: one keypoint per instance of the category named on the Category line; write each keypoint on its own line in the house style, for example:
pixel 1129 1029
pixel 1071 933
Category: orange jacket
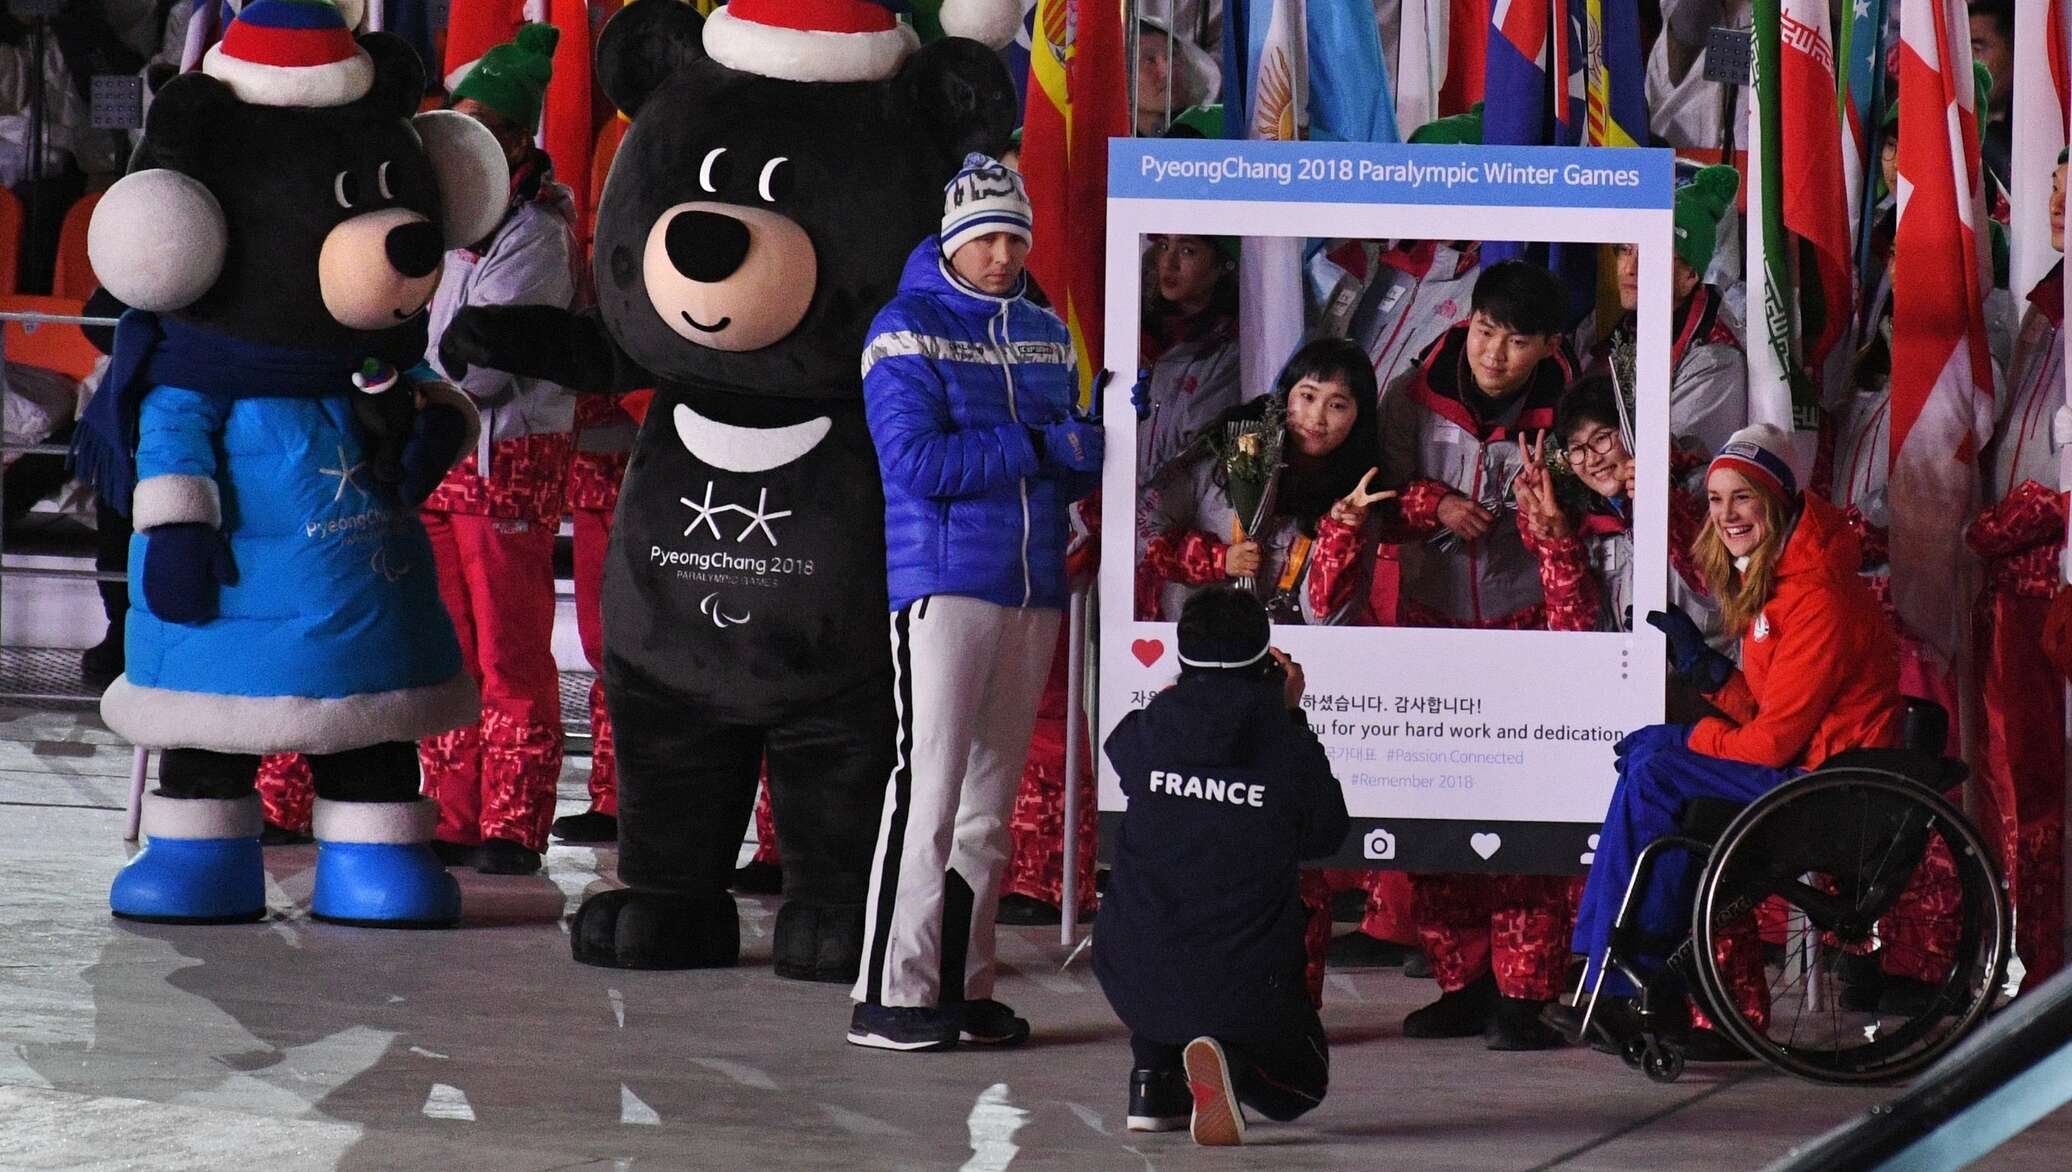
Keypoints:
pixel 1819 667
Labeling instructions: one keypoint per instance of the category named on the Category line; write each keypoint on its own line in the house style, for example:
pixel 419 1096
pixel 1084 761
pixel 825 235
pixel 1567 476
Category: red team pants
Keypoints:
pixel 1515 925
pixel 2021 779
pixel 593 531
pixel 496 779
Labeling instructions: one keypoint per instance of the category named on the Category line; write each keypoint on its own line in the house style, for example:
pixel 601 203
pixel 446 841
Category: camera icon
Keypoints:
pixel 1379 844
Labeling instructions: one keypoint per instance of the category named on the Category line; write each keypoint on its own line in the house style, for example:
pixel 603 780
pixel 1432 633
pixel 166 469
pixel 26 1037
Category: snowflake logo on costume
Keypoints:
pixel 348 473
pixel 706 515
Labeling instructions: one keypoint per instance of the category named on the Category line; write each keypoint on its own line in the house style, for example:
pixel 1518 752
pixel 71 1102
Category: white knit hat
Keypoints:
pixel 984 198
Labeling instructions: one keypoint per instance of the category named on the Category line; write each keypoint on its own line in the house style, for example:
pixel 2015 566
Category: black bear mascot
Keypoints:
pixel 782 161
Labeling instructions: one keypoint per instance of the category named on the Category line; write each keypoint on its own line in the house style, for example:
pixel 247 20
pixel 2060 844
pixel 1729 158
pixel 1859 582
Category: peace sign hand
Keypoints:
pixel 1534 490
pixel 1351 509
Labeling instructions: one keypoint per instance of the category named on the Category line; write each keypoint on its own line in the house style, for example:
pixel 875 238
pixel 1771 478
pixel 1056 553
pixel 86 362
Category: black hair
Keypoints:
pixel 1222 298
pixel 1308 490
pixel 1223 619
pixel 1592 399
pixel 1521 296
pixel 2002 12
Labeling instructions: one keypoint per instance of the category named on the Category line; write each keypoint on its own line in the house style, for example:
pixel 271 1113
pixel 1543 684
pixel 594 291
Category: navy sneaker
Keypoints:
pixel 903 1027
pixel 1159 1101
pixel 986 1022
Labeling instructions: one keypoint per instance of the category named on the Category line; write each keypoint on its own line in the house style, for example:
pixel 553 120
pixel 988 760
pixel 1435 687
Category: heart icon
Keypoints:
pixel 1485 844
pixel 1147 651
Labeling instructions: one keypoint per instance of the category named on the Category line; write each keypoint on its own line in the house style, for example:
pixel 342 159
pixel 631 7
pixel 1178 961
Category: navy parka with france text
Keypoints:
pixel 1201 928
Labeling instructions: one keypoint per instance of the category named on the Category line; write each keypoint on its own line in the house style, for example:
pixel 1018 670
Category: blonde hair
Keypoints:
pixel 1742 590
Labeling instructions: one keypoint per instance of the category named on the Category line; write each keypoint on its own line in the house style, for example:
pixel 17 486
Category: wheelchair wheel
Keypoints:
pixel 1865 862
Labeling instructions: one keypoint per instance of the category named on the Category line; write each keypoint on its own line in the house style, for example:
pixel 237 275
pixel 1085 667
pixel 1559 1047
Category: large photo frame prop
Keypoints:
pixel 1459 750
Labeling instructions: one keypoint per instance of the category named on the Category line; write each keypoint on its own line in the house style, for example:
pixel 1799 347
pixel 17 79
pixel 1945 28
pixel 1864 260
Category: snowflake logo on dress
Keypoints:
pixel 348 473
pixel 706 514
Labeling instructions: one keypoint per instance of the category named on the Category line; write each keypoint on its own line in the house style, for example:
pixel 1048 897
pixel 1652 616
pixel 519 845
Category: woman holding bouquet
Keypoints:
pixel 1307 460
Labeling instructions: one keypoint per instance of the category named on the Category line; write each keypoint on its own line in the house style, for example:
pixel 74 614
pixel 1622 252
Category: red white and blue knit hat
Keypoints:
pixel 841 40
pixel 291 53
pixel 1757 453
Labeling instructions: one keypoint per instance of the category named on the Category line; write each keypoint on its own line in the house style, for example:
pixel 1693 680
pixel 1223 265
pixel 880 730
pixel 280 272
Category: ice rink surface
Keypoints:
pixel 291 1044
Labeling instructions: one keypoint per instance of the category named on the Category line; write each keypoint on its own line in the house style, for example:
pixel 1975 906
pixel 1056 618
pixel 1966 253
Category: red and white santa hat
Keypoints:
pixel 840 40
pixel 291 53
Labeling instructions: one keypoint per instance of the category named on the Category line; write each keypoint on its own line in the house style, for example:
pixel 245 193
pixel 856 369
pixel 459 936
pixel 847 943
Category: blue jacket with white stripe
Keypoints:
pixel 953 382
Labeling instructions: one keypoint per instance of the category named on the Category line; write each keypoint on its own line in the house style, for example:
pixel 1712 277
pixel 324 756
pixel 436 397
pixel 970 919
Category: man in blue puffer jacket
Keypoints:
pixel 969 391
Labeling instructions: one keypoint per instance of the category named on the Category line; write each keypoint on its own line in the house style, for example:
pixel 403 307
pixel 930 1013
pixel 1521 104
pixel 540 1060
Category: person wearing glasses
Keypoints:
pixel 1455 434
pixel 1708 372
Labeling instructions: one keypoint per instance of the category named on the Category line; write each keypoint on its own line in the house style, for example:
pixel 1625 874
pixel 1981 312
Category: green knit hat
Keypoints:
pixel 1459 130
pixel 1699 206
pixel 1203 121
pixel 512 79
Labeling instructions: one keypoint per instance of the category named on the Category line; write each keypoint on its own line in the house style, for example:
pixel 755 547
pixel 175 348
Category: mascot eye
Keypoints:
pixel 712 173
pixel 346 190
pixel 775 182
pixel 381 181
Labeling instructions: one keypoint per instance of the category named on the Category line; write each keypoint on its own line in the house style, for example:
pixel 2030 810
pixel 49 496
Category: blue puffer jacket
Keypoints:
pixel 952 381
pixel 333 636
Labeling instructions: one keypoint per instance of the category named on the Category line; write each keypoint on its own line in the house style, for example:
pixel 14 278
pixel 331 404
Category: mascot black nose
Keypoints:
pixel 707 246
pixel 414 248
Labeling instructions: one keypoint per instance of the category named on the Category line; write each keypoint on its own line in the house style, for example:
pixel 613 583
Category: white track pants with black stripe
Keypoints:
pixel 969 675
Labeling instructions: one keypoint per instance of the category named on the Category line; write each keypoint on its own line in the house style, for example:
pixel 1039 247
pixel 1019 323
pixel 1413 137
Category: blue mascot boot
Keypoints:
pixel 376 869
pixel 200 863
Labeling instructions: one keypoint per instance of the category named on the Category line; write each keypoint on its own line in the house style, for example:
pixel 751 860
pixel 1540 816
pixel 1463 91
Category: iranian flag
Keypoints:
pixel 1942 376
pixel 1815 203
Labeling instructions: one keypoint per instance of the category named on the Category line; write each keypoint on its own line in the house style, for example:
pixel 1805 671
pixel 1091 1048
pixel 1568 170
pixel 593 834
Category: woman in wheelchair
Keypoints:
pixel 1819 674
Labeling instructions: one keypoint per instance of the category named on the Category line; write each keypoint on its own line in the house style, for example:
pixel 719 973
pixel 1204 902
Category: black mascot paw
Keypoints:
pixel 631 929
pixel 819 942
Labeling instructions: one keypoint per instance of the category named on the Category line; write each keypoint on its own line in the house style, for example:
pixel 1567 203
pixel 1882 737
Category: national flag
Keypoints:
pixel 1467 54
pixel 1420 66
pixel 1350 97
pixel 1276 66
pixel 1536 96
pixel 1942 375
pixel 1077 101
pixel 2038 135
pixel 1863 99
pixel 1615 75
pixel 1815 200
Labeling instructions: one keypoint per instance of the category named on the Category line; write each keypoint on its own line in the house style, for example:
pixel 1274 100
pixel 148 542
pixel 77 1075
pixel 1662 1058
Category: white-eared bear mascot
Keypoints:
pixel 277 238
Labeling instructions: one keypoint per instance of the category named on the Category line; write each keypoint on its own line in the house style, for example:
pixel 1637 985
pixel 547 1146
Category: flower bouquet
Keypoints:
pixel 1248 466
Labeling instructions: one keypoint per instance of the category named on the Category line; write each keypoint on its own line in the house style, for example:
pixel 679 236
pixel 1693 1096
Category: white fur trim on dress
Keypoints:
pixel 201 818
pixel 174 498
pixel 382 822
pixel 991 23
pixel 339 83
pixel 160 718
pixel 440 393
pixel 806 54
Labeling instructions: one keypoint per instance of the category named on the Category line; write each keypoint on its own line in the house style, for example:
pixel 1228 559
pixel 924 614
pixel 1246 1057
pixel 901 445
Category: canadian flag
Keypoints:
pixel 1942 373
pixel 1815 207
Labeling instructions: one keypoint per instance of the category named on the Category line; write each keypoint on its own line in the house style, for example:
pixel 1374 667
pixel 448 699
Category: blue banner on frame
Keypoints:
pixel 1632 179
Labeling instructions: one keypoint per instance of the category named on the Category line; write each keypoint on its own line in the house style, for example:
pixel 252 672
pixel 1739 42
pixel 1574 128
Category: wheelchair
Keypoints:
pixel 1870 862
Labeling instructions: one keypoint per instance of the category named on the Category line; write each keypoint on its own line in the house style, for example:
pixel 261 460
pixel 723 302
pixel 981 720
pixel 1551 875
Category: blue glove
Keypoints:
pixel 185 565
pixel 1689 655
pixel 1650 737
pixel 1070 445
pixel 436 438
pixel 1140 394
